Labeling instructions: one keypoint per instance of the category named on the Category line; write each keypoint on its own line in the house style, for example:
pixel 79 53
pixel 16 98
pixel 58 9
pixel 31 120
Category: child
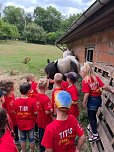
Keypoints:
pixel 26 111
pixel 6 140
pixel 44 112
pixel 31 79
pixel 60 135
pixel 8 88
pixel 71 79
pixel 58 78
pixel 91 86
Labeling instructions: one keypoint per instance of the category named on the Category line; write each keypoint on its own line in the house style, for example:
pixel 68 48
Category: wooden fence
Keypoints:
pixel 106 112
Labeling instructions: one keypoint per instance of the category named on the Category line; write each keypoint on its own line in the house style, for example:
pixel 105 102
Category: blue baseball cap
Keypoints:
pixel 63 99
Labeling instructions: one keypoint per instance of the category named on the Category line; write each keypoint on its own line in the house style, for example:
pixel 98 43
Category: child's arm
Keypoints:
pixel 49 150
pixel 47 112
pixel 107 88
pixel 80 143
pixel 86 95
pixel 74 102
pixel 35 113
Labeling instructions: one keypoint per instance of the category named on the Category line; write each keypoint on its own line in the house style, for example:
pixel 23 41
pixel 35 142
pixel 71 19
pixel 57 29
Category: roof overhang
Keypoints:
pixel 98 17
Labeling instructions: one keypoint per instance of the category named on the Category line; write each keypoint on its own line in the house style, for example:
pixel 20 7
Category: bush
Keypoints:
pixel 8 31
pixel 35 34
pixel 51 37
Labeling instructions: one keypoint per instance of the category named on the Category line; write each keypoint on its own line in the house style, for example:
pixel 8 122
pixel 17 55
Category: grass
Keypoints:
pixel 12 53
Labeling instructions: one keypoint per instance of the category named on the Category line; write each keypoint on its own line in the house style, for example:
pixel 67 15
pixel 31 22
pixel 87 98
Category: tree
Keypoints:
pixel 67 22
pixel 35 34
pixel 48 18
pixel 8 31
pixel 51 37
pixel 28 18
pixel 16 16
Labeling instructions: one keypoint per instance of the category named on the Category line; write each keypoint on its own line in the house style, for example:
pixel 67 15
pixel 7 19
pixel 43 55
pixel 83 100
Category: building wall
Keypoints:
pixel 103 43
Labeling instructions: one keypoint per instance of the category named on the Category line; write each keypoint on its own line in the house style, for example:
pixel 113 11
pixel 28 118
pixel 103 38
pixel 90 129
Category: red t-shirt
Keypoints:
pixel 33 91
pixel 72 90
pixel 34 86
pixel 64 85
pixel 7 143
pixel 92 87
pixel 53 98
pixel 43 119
pixel 60 135
pixel 25 108
pixel 9 106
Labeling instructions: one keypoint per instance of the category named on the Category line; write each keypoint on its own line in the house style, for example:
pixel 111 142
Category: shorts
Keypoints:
pixel 94 103
pixel 25 133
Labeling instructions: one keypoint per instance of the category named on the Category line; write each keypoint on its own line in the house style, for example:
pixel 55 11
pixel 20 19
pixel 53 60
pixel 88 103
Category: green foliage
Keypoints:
pixel 51 37
pixel 48 18
pixel 8 31
pixel 15 15
pixel 35 34
pixel 67 22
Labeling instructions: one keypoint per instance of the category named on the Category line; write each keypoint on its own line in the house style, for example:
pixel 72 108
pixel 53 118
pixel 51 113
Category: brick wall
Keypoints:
pixel 103 43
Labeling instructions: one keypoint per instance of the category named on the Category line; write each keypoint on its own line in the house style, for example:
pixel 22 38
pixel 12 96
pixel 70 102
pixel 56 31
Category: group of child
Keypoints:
pixel 55 117
pixel 34 107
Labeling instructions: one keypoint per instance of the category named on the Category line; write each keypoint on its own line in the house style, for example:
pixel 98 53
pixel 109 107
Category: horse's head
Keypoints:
pixel 51 69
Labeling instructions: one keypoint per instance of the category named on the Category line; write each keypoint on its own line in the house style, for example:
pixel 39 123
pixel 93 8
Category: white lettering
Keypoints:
pixel 65 133
pixel 23 108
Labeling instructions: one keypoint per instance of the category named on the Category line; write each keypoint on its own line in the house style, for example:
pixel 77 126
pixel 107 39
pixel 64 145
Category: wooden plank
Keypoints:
pixel 94 147
pixel 105 80
pixel 108 117
pixel 104 139
pixel 109 95
pixel 106 130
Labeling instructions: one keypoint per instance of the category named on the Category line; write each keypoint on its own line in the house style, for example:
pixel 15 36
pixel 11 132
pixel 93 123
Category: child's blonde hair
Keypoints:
pixel 87 68
pixel 30 77
pixel 58 78
pixel 43 83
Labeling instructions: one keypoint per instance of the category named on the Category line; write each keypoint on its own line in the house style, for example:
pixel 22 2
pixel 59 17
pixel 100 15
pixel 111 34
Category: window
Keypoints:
pixel 89 54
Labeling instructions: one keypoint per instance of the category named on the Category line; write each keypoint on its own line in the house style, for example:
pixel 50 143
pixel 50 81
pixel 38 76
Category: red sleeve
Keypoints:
pixel 48 139
pixel 64 85
pixel 15 105
pixel 35 106
pixel 47 105
pixel 101 84
pixel 52 101
pixel 85 87
pixel 74 93
pixel 79 130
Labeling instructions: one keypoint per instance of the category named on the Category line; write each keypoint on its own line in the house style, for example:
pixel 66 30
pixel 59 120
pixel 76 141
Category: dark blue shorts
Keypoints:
pixel 94 103
pixel 25 133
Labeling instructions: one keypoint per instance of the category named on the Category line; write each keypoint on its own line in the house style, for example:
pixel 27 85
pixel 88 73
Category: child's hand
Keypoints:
pixel 84 104
pixel 112 91
pixel 77 150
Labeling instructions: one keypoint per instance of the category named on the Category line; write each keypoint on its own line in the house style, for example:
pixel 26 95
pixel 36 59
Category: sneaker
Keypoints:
pixel 89 129
pixel 94 138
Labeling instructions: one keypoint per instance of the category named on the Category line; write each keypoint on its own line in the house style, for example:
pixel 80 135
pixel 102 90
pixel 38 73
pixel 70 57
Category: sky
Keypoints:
pixel 66 7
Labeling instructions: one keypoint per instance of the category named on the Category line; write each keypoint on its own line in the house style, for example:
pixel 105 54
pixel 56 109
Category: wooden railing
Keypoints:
pixel 106 112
